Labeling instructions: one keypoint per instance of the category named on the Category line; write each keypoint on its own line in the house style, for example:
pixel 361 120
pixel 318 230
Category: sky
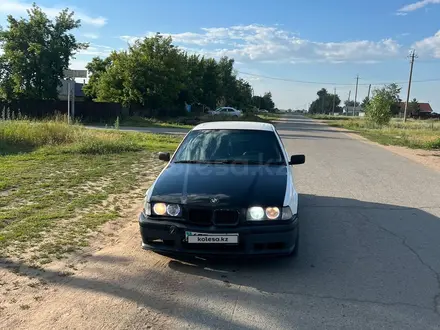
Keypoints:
pixel 288 47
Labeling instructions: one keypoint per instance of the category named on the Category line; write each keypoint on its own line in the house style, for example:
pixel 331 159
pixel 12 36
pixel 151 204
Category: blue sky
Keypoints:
pixel 326 43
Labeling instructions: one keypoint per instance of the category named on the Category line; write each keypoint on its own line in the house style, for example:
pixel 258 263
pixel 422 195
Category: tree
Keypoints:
pixel 414 107
pixel 264 102
pixel 379 107
pixel 365 102
pixel 393 91
pixel 154 74
pixel 324 102
pixel 350 103
pixel 36 51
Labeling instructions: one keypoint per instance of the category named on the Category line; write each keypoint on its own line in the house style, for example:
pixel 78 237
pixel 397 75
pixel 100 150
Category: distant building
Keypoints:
pixel 348 111
pixel 425 109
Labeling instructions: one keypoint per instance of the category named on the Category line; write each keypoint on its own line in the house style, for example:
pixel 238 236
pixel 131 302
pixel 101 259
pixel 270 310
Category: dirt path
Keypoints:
pixel 103 289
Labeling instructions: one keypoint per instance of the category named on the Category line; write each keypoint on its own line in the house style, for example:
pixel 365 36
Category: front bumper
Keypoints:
pixel 169 237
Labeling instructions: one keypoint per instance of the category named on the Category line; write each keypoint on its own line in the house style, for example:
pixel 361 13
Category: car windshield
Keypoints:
pixel 230 147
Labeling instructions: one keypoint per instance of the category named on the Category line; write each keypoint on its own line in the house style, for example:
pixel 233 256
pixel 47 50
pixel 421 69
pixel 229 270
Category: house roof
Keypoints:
pixel 424 107
pixel 244 125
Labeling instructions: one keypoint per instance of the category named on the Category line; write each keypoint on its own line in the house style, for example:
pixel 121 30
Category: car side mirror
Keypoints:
pixel 165 156
pixel 297 159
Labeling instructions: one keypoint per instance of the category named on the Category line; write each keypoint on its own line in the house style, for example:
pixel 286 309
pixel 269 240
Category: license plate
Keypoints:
pixel 192 237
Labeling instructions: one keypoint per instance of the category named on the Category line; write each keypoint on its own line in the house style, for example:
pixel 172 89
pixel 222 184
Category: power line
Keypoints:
pixel 334 83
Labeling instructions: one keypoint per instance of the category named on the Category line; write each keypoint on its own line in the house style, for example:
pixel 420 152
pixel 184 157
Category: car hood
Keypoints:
pixel 230 185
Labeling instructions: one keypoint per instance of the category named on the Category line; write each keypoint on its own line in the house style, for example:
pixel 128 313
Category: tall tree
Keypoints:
pixel 324 102
pixel 415 108
pixel 155 74
pixel 393 91
pixel 96 68
pixel 36 51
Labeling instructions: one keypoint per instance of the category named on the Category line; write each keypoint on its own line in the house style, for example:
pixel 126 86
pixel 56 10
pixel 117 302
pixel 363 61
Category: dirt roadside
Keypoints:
pixel 111 276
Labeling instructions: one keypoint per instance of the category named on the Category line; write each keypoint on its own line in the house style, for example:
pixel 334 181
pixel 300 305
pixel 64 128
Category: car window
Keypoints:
pixel 247 146
pixel 231 110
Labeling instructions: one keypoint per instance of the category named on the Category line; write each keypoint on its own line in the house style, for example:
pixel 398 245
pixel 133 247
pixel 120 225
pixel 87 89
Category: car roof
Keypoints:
pixel 243 125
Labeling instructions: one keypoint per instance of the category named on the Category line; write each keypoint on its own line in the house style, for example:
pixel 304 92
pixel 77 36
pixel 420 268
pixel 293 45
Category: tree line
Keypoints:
pixel 152 73
pixel 380 108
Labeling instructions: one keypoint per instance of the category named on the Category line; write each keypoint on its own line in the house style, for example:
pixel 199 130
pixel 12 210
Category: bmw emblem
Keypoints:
pixel 214 200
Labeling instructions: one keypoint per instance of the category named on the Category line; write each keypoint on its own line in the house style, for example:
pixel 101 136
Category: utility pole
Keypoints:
pixel 412 56
pixel 369 89
pixel 334 100
pixel 355 94
pixel 68 102
pixel 348 104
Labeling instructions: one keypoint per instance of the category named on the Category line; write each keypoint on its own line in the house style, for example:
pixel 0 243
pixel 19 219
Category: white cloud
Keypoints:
pixel 272 44
pixel 18 7
pixel 95 50
pixel 89 35
pixel 416 5
pixel 429 46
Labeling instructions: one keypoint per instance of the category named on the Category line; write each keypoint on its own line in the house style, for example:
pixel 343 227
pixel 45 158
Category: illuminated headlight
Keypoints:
pixel 163 209
pixel 257 213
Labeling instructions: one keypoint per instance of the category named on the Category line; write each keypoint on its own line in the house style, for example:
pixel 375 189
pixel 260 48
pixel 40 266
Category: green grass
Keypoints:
pixel 137 121
pixel 416 134
pixel 193 119
pixel 55 180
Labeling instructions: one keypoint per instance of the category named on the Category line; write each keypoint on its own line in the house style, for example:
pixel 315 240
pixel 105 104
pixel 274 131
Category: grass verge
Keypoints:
pixel 137 121
pixel 412 134
pixel 59 183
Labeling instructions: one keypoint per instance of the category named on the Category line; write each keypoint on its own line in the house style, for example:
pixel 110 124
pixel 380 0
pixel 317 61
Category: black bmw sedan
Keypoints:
pixel 227 190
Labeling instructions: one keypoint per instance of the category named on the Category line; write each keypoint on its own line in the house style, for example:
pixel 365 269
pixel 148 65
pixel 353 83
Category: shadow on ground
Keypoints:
pixel 351 252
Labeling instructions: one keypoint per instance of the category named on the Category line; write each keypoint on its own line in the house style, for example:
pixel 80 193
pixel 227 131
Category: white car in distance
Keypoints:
pixel 227 111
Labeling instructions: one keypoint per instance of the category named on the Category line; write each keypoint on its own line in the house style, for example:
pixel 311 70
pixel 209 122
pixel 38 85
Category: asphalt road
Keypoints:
pixel 369 257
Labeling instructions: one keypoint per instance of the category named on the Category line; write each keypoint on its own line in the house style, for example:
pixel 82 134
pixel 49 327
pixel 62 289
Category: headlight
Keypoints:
pixel 173 210
pixel 257 213
pixel 272 213
pixel 163 209
pixel 160 209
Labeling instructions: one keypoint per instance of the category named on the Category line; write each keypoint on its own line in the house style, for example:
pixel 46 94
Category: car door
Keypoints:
pixel 231 112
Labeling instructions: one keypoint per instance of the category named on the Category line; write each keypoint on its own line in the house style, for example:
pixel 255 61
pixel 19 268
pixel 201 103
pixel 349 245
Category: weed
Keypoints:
pixel 412 134
pixel 53 182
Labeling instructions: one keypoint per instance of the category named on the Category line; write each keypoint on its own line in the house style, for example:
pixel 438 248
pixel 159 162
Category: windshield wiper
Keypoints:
pixel 228 161
pixel 192 162
pixel 246 162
